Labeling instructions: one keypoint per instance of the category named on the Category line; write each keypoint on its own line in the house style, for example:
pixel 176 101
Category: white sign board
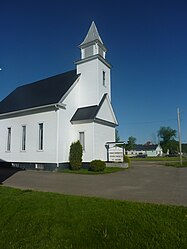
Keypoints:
pixel 116 154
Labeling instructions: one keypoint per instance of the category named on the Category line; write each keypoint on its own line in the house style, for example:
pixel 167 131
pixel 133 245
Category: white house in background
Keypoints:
pixel 39 121
pixel 151 150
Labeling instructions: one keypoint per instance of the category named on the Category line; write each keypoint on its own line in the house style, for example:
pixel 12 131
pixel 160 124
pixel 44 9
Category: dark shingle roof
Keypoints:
pixel 140 147
pixel 85 113
pixel 44 92
pixel 88 112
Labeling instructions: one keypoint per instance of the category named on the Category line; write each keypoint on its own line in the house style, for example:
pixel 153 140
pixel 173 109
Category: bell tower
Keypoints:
pixel 94 69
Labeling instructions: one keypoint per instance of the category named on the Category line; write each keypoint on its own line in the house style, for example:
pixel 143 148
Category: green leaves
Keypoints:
pixel 75 155
pixel 167 135
pixel 130 143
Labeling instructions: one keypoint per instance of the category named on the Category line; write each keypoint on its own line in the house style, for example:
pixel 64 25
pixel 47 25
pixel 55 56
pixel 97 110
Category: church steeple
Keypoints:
pixel 94 69
pixel 92 44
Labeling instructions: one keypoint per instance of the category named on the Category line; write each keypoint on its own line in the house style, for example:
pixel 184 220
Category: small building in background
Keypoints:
pixel 147 150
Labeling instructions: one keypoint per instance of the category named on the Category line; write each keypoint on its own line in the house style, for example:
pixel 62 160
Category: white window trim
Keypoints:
pixel 104 79
pixel 82 131
pixel 22 137
pixel 7 139
pixel 38 138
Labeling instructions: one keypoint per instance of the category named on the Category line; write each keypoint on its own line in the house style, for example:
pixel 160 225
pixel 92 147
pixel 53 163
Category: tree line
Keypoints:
pixel 166 139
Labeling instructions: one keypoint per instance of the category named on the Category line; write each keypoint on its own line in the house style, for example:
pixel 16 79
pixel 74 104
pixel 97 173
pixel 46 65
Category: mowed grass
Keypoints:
pixel 40 220
pixel 176 164
pixel 157 159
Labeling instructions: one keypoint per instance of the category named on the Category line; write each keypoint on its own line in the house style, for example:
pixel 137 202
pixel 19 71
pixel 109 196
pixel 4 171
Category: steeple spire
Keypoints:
pixel 92 35
pixel 92 44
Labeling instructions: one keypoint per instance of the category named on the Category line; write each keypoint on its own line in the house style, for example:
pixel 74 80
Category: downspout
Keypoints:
pixel 57 135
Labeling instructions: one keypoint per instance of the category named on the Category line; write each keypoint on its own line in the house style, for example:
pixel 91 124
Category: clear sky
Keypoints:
pixel 147 46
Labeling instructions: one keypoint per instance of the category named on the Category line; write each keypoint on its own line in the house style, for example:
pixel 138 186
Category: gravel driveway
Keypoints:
pixel 146 182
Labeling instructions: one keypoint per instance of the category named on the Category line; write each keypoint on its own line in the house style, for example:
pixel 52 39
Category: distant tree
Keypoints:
pixel 184 148
pixel 117 137
pixel 130 143
pixel 166 133
pixel 173 146
pixel 167 139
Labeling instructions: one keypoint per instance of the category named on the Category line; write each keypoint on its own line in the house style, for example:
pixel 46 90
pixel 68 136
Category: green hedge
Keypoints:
pixel 97 165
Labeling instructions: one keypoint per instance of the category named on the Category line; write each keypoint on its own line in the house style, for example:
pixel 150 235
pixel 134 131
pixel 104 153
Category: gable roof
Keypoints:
pixel 89 113
pixel 41 93
pixel 105 111
pixel 140 147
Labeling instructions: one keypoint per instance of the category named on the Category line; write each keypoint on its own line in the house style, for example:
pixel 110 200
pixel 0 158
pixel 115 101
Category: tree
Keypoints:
pixel 75 155
pixel 166 134
pixel 117 137
pixel 173 146
pixel 167 141
pixel 131 143
pixel 184 148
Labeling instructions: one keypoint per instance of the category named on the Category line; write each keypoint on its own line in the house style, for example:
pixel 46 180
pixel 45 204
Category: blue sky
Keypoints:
pixel 146 43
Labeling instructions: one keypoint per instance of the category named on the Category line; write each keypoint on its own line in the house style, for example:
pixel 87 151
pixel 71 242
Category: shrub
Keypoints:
pixel 127 160
pixel 97 165
pixel 75 156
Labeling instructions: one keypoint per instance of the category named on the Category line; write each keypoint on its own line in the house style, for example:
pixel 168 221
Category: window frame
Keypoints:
pixel 23 137
pixel 40 136
pixel 80 140
pixel 104 78
pixel 9 139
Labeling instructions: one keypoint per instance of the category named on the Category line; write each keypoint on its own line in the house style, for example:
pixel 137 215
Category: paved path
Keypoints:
pixel 145 182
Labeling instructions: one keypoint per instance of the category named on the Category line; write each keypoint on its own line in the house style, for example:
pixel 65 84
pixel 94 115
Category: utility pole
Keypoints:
pixel 179 134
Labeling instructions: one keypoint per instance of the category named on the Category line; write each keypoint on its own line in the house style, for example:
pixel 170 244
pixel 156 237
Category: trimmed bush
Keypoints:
pixel 127 160
pixel 97 165
pixel 75 156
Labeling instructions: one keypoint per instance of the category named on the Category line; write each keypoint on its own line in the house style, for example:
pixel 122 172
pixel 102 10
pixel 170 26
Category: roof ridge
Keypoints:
pixel 35 82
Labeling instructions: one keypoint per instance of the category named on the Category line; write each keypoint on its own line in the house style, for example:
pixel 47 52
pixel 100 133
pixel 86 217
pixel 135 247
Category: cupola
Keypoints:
pixel 92 44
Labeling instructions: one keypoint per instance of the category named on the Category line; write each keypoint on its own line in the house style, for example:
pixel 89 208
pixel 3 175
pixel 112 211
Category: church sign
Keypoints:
pixel 116 154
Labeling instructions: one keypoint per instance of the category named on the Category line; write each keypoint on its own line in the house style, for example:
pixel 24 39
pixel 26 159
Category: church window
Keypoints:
pixel 82 139
pixel 23 142
pixel 104 78
pixel 8 138
pixel 41 135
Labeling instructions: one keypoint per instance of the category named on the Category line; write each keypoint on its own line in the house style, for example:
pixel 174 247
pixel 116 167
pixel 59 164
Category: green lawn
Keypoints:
pixel 176 164
pixel 39 220
pixel 156 159
pixel 107 170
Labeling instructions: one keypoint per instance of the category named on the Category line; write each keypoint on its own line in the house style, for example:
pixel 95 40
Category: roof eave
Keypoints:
pixel 96 41
pixel 81 121
pixel 37 109
pixel 96 120
pixel 93 57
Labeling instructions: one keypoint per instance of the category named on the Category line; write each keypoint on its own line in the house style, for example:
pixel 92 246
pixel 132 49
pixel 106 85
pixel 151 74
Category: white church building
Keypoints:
pixel 39 121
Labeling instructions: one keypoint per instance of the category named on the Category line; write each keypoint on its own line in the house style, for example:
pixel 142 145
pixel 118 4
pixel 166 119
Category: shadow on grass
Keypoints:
pixel 6 171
